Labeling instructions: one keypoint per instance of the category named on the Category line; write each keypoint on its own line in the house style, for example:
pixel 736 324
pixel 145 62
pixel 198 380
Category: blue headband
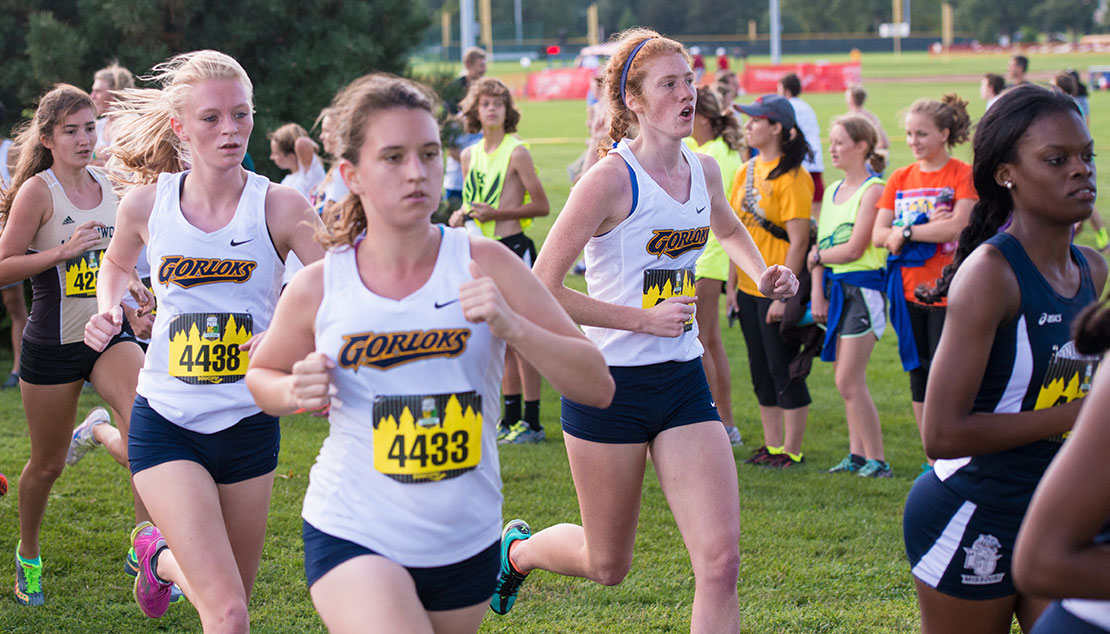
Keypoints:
pixel 628 64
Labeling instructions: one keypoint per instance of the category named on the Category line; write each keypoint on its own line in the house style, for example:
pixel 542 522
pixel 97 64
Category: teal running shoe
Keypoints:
pixel 523 434
pixel 875 469
pixel 847 465
pixel 28 581
pixel 509 580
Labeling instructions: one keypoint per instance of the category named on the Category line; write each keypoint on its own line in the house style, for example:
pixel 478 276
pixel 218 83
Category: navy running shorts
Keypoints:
pixel 245 450
pixel 956 546
pixel 1058 620
pixel 458 585
pixel 648 400
pixel 55 364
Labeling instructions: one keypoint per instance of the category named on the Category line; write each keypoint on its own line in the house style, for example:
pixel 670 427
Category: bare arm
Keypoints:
pixel 774 281
pixel 597 204
pixel 31 209
pixel 118 266
pixel 862 231
pixel 1056 555
pixel 285 373
pixel 950 429
pixel 305 149
pixel 884 226
pixel 945 227
pixel 536 326
pixel 293 224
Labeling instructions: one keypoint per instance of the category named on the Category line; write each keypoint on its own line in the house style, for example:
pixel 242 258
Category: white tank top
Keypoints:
pixel 409 468
pixel 648 257
pixel 214 291
pixel 64 295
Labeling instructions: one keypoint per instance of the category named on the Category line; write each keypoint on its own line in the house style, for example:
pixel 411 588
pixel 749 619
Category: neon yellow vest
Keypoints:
pixel 486 178
pixel 713 262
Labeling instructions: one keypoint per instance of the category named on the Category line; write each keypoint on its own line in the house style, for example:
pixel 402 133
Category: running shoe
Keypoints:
pixel 131 566
pixel 83 440
pixel 760 456
pixel 11 381
pixel 734 437
pixel 509 580
pixel 151 593
pixel 847 465
pixel 28 585
pixel 503 430
pixel 875 469
pixel 522 434
pixel 784 461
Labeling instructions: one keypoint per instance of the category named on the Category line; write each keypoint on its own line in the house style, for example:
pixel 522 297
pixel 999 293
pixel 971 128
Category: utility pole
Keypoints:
pixel 776 33
pixel 466 26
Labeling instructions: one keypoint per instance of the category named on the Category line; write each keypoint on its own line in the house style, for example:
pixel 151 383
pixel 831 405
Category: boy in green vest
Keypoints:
pixel 501 195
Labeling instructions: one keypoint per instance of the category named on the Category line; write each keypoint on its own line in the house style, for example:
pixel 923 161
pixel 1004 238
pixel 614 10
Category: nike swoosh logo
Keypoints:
pixel 701 209
pixel 235 244
pixel 439 305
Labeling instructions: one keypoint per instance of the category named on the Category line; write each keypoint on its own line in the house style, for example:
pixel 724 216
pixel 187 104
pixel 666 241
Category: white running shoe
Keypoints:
pixel 734 437
pixel 83 440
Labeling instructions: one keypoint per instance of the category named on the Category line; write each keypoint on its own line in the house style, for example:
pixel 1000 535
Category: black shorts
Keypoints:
pixel 927 323
pixel 458 585
pixel 245 450
pixel 53 364
pixel 649 399
pixel 769 356
pixel 521 245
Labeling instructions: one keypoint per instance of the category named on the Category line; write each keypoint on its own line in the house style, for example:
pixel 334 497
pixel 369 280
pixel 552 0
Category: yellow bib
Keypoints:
pixel 204 347
pixel 427 438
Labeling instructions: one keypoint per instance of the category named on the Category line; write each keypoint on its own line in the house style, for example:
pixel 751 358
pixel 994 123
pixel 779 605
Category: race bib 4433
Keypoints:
pixel 427 438
pixel 204 347
pixel 81 274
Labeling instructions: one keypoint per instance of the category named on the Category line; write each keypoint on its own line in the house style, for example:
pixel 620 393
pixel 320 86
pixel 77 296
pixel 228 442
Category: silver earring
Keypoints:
pixel 1009 185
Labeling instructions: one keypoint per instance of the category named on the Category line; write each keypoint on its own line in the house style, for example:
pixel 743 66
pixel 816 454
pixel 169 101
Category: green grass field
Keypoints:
pixel 820 553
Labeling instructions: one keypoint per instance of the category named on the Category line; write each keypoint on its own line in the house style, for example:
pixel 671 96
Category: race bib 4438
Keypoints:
pixel 204 347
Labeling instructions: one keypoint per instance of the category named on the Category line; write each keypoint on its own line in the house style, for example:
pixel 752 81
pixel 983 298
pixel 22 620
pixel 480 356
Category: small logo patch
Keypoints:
pixel 1050 319
pixel 69 221
pixel 982 558
pixel 235 244
pixel 701 209
pixel 447 303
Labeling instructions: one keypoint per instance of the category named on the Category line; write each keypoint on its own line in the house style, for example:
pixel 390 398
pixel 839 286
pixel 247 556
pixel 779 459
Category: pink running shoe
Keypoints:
pixel 152 594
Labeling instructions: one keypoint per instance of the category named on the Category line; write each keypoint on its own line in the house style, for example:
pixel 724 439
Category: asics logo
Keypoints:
pixel 1050 319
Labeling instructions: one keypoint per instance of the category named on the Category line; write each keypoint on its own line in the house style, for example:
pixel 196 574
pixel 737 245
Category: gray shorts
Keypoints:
pixel 864 311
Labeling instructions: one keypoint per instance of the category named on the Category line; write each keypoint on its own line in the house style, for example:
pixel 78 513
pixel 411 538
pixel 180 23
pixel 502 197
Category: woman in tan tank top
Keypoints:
pixel 59 216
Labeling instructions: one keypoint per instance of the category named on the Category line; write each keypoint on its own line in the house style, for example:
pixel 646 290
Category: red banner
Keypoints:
pixel 559 83
pixel 758 80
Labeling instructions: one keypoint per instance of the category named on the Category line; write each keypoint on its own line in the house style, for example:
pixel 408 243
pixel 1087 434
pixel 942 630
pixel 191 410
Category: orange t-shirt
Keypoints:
pixel 909 193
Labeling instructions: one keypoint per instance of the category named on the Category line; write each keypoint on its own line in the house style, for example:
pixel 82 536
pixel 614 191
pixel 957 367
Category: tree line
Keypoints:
pixel 987 19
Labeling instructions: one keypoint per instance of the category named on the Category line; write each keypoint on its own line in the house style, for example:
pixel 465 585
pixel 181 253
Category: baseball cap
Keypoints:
pixel 773 107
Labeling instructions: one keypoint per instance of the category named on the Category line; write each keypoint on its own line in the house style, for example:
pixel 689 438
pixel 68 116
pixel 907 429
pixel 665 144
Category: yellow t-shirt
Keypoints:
pixel 785 198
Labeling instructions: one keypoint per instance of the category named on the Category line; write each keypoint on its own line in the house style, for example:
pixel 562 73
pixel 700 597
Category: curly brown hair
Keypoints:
pixel 488 87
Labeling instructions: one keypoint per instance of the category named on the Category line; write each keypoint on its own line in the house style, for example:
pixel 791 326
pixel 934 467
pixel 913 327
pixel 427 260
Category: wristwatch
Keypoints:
pixel 907 232
pixel 816 257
